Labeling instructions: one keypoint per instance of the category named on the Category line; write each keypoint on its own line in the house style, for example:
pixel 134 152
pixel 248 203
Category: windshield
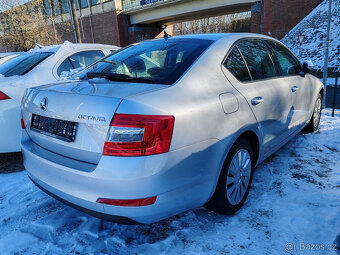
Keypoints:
pixel 159 61
pixel 22 64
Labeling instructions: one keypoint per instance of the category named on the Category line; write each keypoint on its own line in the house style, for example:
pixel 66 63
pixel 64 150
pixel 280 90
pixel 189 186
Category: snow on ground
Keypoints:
pixel 294 202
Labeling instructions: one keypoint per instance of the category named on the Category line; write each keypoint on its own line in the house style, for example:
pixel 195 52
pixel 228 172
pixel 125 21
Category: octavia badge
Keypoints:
pixel 43 104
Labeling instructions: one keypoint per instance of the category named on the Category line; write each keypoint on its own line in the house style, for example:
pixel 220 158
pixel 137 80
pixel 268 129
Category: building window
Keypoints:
pixel 56 7
pixel 46 8
pixel 84 4
pixel 64 6
pixel 94 2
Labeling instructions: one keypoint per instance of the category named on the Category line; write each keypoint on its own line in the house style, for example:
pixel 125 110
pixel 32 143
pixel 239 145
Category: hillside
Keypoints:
pixel 314 27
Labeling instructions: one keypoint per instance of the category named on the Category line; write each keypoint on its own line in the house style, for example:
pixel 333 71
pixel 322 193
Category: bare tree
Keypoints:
pixel 49 7
pixel 238 22
pixel 23 24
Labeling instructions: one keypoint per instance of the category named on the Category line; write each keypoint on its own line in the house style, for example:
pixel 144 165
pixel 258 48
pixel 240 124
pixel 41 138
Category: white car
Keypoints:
pixel 37 67
pixel 4 57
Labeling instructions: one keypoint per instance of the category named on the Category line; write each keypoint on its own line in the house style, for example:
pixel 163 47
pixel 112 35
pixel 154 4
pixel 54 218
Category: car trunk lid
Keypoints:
pixel 90 104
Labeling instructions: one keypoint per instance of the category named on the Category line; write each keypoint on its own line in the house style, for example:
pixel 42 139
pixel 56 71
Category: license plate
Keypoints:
pixel 60 129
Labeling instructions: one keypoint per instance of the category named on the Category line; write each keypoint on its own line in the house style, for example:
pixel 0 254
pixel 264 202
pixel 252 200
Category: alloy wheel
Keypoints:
pixel 238 176
pixel 317 112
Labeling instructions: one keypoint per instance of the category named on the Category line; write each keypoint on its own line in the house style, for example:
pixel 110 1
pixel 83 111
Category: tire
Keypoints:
pixel 313 124
pixel 229 199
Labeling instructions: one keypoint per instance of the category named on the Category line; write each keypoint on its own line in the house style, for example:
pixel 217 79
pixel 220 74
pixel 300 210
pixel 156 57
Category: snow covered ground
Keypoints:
pixel 294 206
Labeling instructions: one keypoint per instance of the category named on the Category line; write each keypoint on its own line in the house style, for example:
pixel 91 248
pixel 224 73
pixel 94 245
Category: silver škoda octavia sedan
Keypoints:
pixel 166 125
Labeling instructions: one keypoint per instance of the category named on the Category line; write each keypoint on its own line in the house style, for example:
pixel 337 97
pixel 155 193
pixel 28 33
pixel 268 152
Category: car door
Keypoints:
pixel 300 85
pixel 268 97
pixel 79 60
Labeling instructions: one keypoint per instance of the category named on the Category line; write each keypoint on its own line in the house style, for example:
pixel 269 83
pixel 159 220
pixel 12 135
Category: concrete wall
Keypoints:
pixel 169 12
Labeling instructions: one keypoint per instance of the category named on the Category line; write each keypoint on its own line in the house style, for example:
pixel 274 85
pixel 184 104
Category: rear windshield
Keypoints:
pixel 159 61
pixel 22 64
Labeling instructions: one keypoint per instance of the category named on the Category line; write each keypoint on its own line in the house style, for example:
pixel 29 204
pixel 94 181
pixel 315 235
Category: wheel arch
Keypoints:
pixel 249 135
pixel 253 139
pixel 321 92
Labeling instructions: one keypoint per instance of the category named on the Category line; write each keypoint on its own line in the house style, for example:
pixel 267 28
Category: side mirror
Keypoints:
pixel 308 66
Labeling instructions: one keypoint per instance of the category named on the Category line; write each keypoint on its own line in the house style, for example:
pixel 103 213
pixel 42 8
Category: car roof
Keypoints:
pixel 74 46
pixel 218 36
pixel 5 54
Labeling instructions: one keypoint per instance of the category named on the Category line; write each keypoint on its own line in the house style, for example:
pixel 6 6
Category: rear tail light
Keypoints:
pixel 22 123
pixel 133 202
pixel 139 135
pixel 3 96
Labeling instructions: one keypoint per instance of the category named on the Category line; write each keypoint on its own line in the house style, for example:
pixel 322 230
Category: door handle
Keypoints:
pixel 256 100
pixel 295 88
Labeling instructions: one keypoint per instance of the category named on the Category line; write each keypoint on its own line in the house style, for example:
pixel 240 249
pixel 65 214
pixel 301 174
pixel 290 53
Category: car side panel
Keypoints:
pixel 274 113
pixel 301 98
pixel 10 126
pixel 315 87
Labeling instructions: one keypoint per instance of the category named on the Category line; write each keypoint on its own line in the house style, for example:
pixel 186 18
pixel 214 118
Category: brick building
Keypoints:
pixel 110 25
pixel 104 21
pixel 100 21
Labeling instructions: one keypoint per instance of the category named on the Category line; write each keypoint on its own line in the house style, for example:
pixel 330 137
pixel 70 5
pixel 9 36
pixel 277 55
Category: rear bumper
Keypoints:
pixel 181 180
pixel 104 216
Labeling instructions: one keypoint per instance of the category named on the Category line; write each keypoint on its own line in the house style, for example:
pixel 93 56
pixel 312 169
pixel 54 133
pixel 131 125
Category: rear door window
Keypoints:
pixel 65 66
pixel 258 60
pixel 85 58
pixel 235 64
pixel 288 62
pixel 80 60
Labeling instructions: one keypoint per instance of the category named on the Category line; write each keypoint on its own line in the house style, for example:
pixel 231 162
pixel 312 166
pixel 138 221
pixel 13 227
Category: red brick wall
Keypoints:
pixel 108 28
pixel 256 16
pixel 65 30
pixel 278 17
